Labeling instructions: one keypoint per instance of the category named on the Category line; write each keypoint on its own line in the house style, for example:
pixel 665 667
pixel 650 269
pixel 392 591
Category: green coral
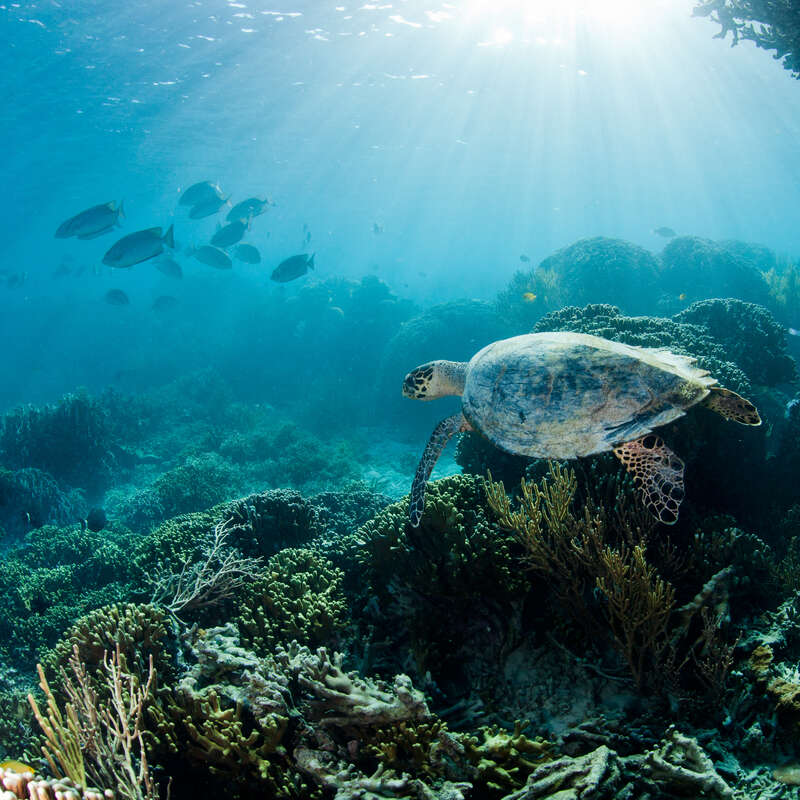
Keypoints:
pixel 748 334
pixel 139 630
pixel 54 577
pixel 300 597
pixel 429 586
pixel 700 268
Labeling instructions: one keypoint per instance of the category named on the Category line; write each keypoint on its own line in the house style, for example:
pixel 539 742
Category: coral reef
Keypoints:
pixel 54 577
pixel 445 597
pixel 700 268
pixel 30 498
pixel 748 334
pixel 299 598
pixel 71 440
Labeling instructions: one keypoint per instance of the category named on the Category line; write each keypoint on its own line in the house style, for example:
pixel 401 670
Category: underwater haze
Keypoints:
pixel 241 242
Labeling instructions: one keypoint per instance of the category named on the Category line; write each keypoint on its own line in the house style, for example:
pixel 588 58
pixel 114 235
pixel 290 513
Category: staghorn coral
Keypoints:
pixel 444 592
pixel 503 760
pixel 299 597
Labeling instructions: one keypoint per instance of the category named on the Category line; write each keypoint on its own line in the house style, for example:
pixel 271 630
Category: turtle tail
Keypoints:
pixel 441 435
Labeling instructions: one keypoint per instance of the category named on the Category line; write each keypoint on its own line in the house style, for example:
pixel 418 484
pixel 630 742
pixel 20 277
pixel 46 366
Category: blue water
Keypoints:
pixel 471 135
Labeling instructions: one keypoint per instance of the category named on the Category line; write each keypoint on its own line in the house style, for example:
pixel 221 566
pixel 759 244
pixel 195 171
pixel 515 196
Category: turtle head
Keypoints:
pixel 435 379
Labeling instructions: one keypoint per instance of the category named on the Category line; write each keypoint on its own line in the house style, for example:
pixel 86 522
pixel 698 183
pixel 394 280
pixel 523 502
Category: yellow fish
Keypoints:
pixel 682 296
pixel 16 766
pixel 529 297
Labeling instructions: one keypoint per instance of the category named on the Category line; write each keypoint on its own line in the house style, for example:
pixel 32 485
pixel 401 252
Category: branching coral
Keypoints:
pixel 218 575
pixel 576 551
pixel 99 737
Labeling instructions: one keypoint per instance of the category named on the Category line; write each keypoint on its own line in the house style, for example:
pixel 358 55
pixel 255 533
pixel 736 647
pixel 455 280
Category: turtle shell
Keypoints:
pixel 565 395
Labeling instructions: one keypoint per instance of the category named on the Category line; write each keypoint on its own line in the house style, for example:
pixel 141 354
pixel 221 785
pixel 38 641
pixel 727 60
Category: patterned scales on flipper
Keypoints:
pixel 657 474
pixel 732 406
pixel 441 435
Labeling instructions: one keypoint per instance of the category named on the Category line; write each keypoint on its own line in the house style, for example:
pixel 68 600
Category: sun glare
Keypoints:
pixel 521 19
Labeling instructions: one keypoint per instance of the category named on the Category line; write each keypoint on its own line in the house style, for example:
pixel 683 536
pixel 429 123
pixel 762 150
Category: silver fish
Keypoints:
pixel 252 207
pixel 169 266
pixel 164 303
pixel 213 256
pixel 139 246
pixel 230 234
pixel 207 207
pixel 293 267
pixel 201 192
pixel 95 221
pixel 664 231
pixel 116 297
pixel 247 253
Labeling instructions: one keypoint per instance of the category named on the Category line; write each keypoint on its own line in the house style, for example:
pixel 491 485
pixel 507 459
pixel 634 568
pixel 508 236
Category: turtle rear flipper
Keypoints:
pixel 657 475
pixel 441 435
pixel 732 406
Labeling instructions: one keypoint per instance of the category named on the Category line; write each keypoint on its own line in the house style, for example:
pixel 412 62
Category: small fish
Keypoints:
pixel 16 279
pixel 202 192
pixel 169 266
pixel 377 229
pixel 252 207
pixel 116 297
pixel 137 247
pixel 247 253
pixel 529 297
pixel 95 221
pixel 207 207
pixel 682 296
pixel 213 256
pixel 230 234
pixel 164 303
pixel 524 259
pixel 793 332
pixel 293 267
pixel 667 233
pixel 19 767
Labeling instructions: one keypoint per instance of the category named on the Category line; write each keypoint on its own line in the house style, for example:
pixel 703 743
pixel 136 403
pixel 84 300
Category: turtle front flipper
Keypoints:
pixel 441 435
pixel 732 406
pixel 657 475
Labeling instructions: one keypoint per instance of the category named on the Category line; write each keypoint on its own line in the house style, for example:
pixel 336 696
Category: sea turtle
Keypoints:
pixel 565 395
